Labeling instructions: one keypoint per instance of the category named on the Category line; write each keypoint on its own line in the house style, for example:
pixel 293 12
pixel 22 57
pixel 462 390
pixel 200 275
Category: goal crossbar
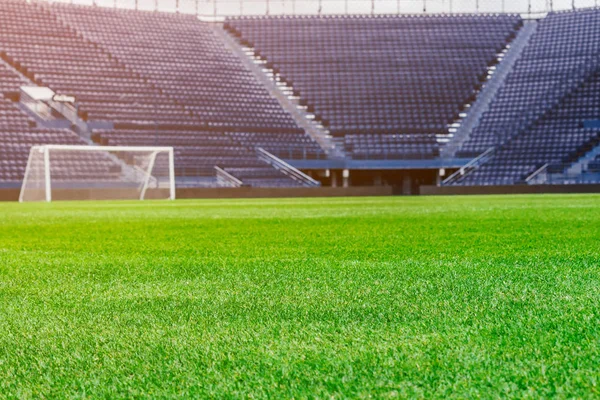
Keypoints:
pixel 39 158
pixel 104 148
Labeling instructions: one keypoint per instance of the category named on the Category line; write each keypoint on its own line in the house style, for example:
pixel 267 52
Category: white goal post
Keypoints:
pixel 66 172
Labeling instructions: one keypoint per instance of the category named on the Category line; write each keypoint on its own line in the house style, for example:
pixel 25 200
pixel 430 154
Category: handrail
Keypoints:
pixel 536 172
pixel 468 167
pixel 71 113
pixel 226 178
pixel 286 168
pixel 573 178
pixel 48 102
pixel 68 110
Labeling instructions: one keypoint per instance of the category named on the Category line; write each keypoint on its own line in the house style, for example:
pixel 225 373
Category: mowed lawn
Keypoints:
pixel 425 297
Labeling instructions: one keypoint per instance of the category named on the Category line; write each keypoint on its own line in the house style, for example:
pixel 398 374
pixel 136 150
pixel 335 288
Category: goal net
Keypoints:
pixel 63 172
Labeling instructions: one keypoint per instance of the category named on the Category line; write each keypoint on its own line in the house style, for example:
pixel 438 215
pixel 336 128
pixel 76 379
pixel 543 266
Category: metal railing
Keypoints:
pixel 584 178
pixel 224 178
pixel 71 112
pixel 365 155
pixel 300 153
pixel 537 175
pixel 223 8
pixel 470 166
pixel 545 177
pixel 286 168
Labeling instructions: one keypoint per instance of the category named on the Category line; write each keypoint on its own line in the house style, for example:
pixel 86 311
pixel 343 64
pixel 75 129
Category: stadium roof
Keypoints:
pixel 281 7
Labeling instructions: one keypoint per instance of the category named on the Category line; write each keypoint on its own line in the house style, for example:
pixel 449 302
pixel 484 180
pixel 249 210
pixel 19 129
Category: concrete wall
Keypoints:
pixel 9 194
pixel 248 192
pixel 214 193
pixel 515 189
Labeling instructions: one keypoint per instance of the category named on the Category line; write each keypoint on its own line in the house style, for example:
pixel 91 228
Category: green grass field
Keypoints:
pixel 369 297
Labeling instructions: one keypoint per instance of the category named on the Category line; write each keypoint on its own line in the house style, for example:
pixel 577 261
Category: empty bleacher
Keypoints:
pixel 384 75
pixel 392 147
pixel 197 152
pixel 285 146
pixel 537 117
pixel 387 87
pixel 51 54
pixel 18 132
pixel 144 73
pixel 186 61
pixel 594 166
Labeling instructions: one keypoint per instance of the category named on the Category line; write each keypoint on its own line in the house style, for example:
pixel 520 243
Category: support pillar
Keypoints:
pixel 440 177
pixel 406 184
pixel 377 179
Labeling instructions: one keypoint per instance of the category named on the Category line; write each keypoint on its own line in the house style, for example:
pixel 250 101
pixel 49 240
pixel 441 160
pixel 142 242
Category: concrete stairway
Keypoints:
pixel 282 92
pixel 496 79
pixel 10 67
pixel 581 165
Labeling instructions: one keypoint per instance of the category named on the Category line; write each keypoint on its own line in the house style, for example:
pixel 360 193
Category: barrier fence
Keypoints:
pixel 224 8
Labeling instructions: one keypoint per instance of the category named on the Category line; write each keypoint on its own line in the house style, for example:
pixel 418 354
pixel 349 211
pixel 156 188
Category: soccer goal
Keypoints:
pixel 64 172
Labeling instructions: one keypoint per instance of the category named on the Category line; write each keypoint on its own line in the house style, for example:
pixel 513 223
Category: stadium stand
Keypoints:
pixel 18 132
pixel 168 50
pixel 10 82
pixel 402 146
pixel 388 88
pixel 594 166
pixel 52 55
pixel 367 77
pixel 537 117
pixel 286 146
pixel 222 95
pixel 198 152
pixel 141 73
